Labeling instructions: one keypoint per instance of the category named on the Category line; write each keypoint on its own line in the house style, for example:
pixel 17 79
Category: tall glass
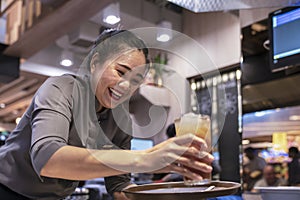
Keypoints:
pixel 200 126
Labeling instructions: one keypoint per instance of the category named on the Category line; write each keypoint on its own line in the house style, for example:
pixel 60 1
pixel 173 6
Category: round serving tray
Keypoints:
pixel 179 191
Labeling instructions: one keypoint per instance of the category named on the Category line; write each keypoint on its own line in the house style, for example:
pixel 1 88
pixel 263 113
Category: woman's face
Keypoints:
pixel 117 79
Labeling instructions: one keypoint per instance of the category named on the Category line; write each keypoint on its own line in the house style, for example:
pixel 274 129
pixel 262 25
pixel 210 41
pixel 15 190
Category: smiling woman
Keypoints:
pixel 118 64
pixel 77 128
pixel 116 82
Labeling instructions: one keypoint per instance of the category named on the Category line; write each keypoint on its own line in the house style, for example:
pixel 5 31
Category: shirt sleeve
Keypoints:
pixel 50 121
pixel 117 183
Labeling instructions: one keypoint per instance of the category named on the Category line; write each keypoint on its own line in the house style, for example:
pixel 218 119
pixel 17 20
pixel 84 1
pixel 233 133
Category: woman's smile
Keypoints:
pixel 115 94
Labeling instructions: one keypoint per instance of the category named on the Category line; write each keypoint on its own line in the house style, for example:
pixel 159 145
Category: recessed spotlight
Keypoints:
pixel 66 63
pixel 111 14
pixel 163 38
pixel 164 31
pixel 112 19
pixel 66 58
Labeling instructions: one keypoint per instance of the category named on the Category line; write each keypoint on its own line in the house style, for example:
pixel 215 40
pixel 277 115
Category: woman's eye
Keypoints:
pixel 120 72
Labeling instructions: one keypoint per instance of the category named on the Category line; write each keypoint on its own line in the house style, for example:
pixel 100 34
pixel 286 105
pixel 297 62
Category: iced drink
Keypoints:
pixel 200 126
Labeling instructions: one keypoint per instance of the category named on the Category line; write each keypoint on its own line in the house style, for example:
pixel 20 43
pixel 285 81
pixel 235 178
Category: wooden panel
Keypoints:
pixel 11 84
pixel 16 95
pixel 54 25
pixel 15 106
pixel 25 89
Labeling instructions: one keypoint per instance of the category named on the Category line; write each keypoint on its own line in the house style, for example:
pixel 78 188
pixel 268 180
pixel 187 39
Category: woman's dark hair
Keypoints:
pixel 110 42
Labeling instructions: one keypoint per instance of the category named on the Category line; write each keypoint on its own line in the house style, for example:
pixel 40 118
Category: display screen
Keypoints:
pixel 284 38
pixel 141 144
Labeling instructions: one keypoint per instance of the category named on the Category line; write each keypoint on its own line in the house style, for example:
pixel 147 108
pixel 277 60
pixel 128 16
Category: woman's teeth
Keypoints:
pixel 115 94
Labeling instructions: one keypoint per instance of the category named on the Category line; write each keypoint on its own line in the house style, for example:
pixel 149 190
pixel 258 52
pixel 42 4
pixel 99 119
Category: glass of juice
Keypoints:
pixel 199 125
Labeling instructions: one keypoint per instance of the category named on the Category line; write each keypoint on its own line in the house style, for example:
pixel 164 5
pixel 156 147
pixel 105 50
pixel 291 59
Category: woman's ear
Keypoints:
pixel 94 61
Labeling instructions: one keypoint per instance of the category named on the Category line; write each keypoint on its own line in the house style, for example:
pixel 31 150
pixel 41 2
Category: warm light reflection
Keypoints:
pixel 18 120
pixel 193 86
pixel 245 142
pixel 294 117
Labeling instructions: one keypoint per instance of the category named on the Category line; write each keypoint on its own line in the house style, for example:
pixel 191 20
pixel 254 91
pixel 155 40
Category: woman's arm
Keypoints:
pixel 75 163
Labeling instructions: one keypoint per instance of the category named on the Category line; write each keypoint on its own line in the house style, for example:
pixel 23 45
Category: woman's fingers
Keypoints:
pixel 190 140
pixel 195 164
pixel 185 172
pixel 187 168
pixel 184 140
pixel 198 154
pixel 191 159
pixel 187 151
pixel 184 150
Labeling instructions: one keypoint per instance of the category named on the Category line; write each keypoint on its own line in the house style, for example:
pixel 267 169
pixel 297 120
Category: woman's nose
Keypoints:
pixel 124 85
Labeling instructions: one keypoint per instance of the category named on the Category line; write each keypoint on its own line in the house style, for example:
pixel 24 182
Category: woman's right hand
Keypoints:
pixel 179 154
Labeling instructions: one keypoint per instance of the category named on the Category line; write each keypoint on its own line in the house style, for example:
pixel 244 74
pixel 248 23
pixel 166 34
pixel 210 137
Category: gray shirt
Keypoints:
pixel 62 112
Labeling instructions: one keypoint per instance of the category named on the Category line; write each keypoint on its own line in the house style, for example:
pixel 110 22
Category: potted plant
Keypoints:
pixel 158 69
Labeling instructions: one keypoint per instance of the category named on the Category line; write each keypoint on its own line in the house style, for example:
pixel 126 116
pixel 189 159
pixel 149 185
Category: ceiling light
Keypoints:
pixel 294 117
pixel 193 86
pixel 164 31
pixel 238 74
pixel 111 14
pixel 66 58
pixel 66 62
pixel 245 142
pixel 163 38
pixel 18 120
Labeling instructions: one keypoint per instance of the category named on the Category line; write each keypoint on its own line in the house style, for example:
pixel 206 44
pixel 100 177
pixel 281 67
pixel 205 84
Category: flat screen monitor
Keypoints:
pixel 284 35
pixel 141 144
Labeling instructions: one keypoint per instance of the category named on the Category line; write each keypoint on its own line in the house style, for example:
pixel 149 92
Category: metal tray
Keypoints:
pixel 179 191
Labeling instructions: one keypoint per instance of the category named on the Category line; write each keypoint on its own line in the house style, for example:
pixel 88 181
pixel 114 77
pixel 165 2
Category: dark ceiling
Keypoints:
pixel 278 93
pixel 16 95
pixel 254 36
